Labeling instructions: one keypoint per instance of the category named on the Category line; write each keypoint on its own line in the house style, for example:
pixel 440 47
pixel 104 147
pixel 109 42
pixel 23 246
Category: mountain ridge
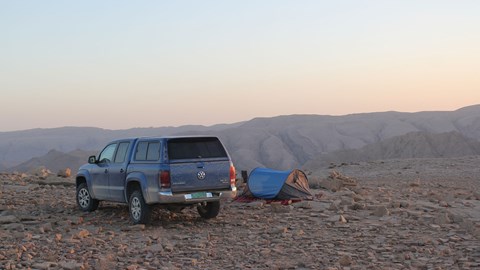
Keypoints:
pixel 280 142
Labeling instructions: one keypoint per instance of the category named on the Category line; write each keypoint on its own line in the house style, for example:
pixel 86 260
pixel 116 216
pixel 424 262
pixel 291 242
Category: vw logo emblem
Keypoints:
pixel 201 175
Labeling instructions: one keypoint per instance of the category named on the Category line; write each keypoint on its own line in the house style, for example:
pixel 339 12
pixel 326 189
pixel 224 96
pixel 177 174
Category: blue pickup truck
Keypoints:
pixel 174 172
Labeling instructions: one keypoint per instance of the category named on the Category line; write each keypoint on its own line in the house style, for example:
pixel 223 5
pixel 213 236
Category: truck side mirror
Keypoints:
pixel 92 160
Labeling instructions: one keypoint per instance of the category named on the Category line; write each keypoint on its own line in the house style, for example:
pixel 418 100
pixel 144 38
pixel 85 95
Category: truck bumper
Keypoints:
pixel 166 197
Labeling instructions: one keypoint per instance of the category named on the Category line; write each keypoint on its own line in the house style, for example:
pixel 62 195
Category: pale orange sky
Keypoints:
pixel 120 65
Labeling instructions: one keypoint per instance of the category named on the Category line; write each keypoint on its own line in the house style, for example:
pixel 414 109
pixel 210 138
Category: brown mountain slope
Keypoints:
pixel 55 160
pixel 279 142
pixel 411 145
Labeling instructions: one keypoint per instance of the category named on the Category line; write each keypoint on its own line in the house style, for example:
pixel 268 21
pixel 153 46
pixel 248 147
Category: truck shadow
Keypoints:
pixel 186 218
pixel 116 215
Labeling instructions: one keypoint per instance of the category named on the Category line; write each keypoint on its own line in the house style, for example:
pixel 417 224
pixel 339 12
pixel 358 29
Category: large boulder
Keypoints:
pixel 337 181
pixel 40 172
pixel 65 173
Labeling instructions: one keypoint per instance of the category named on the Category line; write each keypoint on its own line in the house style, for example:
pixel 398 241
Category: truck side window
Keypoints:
pixel 153 152
pixel 107 154
pixel 148 151
pixel 121 152
pixel 141 153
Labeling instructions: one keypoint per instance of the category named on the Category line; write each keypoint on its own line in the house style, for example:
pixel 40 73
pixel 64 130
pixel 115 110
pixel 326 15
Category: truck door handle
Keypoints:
pixel 106 170
pixel 121 170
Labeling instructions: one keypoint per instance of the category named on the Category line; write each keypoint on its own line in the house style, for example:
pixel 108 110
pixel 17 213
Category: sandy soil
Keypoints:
pixel 397 214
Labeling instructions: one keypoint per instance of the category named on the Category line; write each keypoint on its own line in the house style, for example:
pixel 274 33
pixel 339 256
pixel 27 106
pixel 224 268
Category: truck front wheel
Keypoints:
pixel 85 200
pixel 139 210
pixel 209 209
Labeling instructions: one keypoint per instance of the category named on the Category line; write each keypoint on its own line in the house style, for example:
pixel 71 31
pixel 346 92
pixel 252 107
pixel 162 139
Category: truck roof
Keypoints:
pixel 163 137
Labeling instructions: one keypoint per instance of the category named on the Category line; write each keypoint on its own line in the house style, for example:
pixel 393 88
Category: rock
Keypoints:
pixel 44 265
pixel 279 230
pixel 137 227
pixel 318 206
pixel 333 206
pixel 381 211
pixel 358 198
pixel 53 180
pixel 156 248
pixel 442 219
pixel 75 220
pixel 41 172
pixel 469 226
pixel 70 265
pixel 331 184
pixel 415 183
pixel 169 247
pixel 336 181
pixel 279 208
pixel 345 260
pixel 334 218
pixel 357 206
pixel 47 227
pixel 304 205
pixel 346 201
pixel 346 181
pixel 257 204
pixel 83 234
pixel 8 219
pixel 65 173
pixel 444 204
pixel 19 227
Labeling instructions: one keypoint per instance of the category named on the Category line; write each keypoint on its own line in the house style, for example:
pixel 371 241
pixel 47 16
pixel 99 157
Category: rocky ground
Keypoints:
pixel 403 214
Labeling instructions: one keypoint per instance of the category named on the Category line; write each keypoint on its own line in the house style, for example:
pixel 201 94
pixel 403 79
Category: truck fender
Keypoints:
pixel 85 174
pixel 136 178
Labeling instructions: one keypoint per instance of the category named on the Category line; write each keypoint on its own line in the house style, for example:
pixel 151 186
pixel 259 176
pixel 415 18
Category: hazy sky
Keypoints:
pixel 122 64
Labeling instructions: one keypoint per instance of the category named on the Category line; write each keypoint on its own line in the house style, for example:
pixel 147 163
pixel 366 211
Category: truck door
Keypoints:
pixel 99 173
pixel 117 172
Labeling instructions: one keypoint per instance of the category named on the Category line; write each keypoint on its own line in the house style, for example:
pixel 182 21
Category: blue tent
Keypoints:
pixel 272 184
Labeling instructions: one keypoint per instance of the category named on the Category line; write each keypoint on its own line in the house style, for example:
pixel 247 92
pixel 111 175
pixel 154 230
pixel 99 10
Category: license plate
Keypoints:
pixel 198 195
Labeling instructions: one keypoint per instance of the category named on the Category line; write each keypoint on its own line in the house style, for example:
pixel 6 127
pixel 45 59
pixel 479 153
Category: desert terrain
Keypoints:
pixel 387 214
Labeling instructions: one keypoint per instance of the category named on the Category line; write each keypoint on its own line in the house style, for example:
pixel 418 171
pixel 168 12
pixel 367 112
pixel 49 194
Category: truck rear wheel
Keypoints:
pixel 139 210
pixel 85 200
pixel 209 209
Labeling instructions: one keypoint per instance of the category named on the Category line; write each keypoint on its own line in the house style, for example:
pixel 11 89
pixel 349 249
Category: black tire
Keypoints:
pixel 84 199
pixel 139 210
pixel 209 210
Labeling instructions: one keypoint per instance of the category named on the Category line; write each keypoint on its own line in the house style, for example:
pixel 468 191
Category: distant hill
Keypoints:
pixel 55 160
pixel 410 145
pixel 280 142
pixel 19 146
pixel 290 141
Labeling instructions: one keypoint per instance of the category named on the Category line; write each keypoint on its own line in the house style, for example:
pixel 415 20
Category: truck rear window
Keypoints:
pixel 192 148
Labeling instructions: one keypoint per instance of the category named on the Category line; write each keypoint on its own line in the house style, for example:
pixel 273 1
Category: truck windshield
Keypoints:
pixel 193 148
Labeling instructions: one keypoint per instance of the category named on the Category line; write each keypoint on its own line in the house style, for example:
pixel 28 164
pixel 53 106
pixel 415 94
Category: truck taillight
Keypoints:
pixel 232 175
pixel 165 179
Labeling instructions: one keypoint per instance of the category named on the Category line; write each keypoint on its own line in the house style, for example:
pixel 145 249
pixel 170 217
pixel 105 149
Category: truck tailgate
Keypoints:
pixel 200 175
